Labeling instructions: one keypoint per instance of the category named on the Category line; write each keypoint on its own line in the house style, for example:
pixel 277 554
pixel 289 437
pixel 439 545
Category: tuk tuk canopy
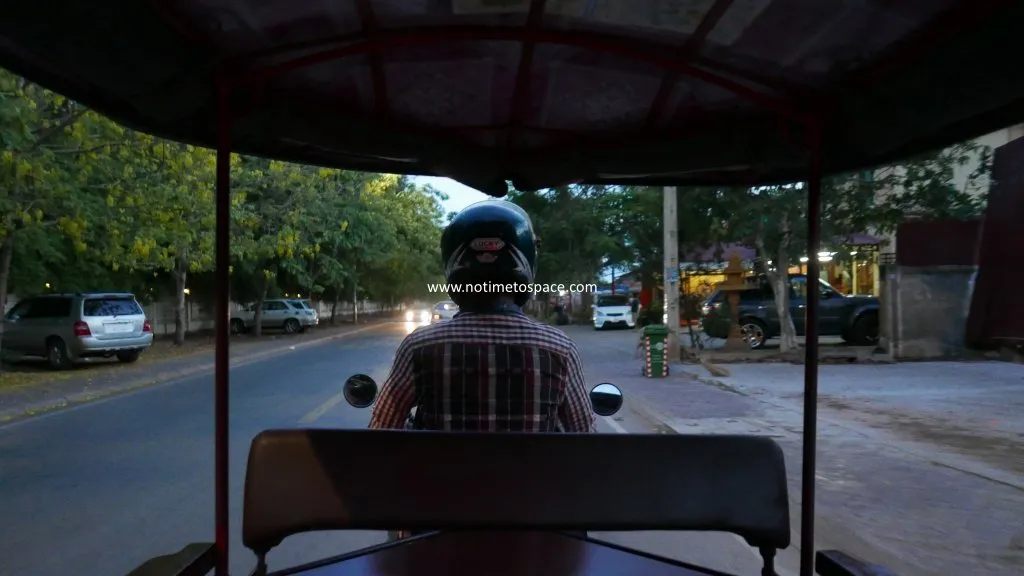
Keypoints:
pixel 538 93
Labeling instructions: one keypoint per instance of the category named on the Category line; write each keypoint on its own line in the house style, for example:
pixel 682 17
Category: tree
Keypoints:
pixel 88 204
pixel 45 140
pixel 572 224
pixel 271 218
pixel 161 214
pixel 773 218
pixel 350 231
pixel 413 260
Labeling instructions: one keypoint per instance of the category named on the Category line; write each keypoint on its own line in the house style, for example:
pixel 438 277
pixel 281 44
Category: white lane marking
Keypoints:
pixel 743 543
pixel 378 375
pixel 322 409
pixel 615 425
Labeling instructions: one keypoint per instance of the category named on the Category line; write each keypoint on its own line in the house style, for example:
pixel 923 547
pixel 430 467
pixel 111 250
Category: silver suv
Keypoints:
pixel 66 328
pixel 290 315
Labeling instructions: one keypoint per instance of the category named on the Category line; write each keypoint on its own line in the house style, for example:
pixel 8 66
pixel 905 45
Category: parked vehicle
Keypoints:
pixel 854 318
pixel 292 316
pixel 443 311
pixel 612 310
pixel 68 328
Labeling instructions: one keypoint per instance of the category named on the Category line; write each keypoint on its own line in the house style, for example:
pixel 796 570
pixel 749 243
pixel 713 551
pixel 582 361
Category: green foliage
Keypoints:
pixel 86 204
pixel 573 225
pixel 585 228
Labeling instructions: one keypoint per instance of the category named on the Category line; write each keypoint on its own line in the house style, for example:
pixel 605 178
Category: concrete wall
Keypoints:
pixel 961 174
pixel 161 314
pixel 924 310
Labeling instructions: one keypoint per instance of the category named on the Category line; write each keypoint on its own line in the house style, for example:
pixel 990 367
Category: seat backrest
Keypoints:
pixel 308 480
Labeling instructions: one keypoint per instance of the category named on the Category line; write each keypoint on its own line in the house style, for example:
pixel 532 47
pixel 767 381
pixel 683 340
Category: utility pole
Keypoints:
pixel 671 222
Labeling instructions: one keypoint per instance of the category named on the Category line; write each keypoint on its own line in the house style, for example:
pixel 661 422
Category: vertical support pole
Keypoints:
pixel 671 232
pixel 222 280
pixel 811 350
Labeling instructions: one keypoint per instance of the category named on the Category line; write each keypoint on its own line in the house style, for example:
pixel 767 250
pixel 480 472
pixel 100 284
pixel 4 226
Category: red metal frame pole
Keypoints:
pixel 521 88
pixel 390 39
pixel 222 279
pixel 810 443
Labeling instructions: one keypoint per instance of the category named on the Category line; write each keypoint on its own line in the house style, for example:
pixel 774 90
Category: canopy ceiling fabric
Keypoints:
pixel 539 93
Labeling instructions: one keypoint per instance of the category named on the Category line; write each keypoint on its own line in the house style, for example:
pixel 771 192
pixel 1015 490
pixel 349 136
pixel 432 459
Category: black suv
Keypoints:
pixel 854 318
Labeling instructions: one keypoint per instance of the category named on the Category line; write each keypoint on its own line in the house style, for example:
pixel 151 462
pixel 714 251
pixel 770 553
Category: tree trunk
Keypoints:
pixel 779 280
pixel 355 302
pixel 334 307
pixel 687 315
pixel 180 276
pixel 586 299
pixel 6 256
pixel 257 317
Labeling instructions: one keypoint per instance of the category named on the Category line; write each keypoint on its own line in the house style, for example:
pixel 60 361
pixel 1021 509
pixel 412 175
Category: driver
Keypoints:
pixel 491 368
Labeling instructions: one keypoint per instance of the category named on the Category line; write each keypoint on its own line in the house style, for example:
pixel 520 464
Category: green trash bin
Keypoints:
pixel 655 351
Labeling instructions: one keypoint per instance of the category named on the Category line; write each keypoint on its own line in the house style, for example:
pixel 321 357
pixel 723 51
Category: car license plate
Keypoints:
pixel 118 328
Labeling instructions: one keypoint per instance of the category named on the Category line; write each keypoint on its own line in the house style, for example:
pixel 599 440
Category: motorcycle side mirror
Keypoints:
pixel 606 399
pixel 360 390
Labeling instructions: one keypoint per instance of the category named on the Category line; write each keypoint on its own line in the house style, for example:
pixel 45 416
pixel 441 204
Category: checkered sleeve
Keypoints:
pixel 575 413
pixel 398 393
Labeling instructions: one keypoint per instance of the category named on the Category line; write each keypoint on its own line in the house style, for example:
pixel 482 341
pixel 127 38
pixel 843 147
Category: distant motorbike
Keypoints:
pixel 561 318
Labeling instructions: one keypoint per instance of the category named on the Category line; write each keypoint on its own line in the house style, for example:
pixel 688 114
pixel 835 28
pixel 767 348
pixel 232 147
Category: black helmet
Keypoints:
pixel 489 242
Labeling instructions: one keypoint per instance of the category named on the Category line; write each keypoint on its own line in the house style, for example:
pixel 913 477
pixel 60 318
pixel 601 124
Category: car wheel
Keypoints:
pixel 865 330
pixel 237 326
pixel 291 326
pixel 754 333
pixel 57 354
pixel 129 356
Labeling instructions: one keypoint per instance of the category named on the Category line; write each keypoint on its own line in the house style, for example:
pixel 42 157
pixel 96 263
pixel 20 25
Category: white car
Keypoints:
pixel 444 311
pixel 422 316
pixel 612 310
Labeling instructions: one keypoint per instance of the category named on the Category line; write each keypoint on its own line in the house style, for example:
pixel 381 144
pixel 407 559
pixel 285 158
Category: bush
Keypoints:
pixel 652 315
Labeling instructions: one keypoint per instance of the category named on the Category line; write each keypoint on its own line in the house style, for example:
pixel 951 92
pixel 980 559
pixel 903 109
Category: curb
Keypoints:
pixel 85 396
pixel 645 409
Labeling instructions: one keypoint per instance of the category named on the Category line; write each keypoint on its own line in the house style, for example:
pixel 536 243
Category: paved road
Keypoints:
pixel 99 488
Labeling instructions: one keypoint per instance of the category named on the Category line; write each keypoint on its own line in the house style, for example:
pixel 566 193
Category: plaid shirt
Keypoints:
pixel 487 372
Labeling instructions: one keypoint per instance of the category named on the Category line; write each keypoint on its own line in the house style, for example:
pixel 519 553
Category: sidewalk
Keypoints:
pixel 91 382
pixel 920 505
pixel 973 412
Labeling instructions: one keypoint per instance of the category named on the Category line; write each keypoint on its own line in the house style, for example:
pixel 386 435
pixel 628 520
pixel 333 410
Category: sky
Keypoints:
pixel 459 195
